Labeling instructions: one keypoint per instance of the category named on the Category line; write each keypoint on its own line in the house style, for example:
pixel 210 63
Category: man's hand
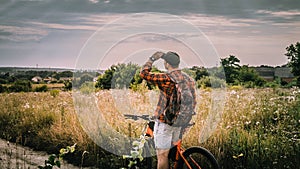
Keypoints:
pixel 157 55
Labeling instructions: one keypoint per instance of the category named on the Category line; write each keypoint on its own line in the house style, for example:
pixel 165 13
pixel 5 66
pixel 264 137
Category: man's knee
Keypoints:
pixel 162 158
pixel 162 153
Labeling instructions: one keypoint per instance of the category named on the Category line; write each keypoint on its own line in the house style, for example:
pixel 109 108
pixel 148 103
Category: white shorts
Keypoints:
pixel 165 135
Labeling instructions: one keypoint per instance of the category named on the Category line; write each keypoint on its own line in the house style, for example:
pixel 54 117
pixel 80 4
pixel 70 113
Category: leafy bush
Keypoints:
pixel 236 87
pixel 42 88
pixel 3 81
pixel 3 89
pixel 54 93
pixel 249 78
pixel 21 86
pixel 68 85
pixel 104 81
pixel 211 81
pixel 87 88
pixel 55 160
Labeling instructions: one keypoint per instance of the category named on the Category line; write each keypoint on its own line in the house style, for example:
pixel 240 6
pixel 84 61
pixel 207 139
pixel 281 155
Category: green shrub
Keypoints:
pixel 236 87
pixel 68 85
pixel 211 81
pixel 87 88
pixel 55 160
pixel 43 88
pixel 3 89
pixel 21 86
pixel 54 93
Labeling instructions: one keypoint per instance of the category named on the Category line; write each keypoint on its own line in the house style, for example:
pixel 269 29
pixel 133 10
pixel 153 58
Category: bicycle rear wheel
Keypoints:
pixel 199 158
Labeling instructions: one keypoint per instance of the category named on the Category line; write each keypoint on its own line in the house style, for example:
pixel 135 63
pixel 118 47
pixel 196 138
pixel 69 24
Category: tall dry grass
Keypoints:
pixel 256 128
pixel 259 129
pixel 42 121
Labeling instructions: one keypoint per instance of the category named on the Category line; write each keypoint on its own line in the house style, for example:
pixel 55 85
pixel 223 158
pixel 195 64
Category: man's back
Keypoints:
pixel 181 105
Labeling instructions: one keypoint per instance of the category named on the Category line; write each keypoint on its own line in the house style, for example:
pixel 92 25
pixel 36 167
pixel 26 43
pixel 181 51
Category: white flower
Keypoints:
pixel 248 122
pixel 233 92
pixel 27 106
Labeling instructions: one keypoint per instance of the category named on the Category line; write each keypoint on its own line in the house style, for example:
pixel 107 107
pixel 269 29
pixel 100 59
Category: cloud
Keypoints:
pixel 36 29
pixel 94 1
pixel 288 14
pixel 202 20
pixel 61 24
pixel 64 26
pixel 18 33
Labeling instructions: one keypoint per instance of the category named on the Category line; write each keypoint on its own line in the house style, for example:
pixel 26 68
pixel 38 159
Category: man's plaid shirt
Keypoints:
pixel 165 84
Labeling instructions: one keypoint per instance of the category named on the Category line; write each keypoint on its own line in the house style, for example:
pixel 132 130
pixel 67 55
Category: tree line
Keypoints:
pixel 127 76
pixel 229 73
pixel 21 81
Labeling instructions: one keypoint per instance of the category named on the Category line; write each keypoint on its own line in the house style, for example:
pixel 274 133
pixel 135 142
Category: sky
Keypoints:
pixel 99 33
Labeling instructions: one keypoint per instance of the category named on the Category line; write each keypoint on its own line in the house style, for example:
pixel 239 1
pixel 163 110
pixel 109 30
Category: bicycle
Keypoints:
pixel 195 157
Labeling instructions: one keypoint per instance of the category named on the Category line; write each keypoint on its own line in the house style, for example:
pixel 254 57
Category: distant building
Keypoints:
pixel 284 73
pixel 66 78
pixel 266 73
pixel 270 73
pixel 49 79
pixel 37 79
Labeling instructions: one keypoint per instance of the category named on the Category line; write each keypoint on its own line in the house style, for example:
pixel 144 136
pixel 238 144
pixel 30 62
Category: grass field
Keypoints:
pixel 50 86
pixel 258 128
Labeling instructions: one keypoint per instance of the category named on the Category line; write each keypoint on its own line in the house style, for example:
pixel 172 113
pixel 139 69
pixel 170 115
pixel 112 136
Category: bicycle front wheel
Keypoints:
pixel 199 158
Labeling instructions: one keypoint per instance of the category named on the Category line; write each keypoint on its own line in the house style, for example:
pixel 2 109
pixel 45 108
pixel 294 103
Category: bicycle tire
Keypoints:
pixel 203 158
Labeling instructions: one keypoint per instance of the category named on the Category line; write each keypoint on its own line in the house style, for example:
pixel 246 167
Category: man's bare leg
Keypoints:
pixel 162 158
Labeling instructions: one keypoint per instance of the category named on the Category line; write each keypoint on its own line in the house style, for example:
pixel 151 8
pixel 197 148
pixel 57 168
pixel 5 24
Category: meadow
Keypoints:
pixel 252 128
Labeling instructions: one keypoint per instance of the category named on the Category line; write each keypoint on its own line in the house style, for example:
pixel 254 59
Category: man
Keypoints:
pixel 165 134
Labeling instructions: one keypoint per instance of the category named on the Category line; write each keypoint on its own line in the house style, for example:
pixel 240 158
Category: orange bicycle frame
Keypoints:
pixel 179 154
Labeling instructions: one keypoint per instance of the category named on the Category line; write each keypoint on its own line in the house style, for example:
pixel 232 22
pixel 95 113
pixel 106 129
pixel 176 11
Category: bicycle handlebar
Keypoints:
pixel 136 117
pixel 147 118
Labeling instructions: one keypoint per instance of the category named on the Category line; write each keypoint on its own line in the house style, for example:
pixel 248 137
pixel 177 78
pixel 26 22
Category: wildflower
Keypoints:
pixel 27 106
pixel 240 155
pixel 233 92
pixel 248 122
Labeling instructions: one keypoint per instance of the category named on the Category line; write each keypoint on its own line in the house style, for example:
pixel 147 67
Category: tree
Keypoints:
pixel 21 86
pixel 42 88
pixel 137 81
pixel 3 89
pixel 104 80
pixel 124 75
pixel 66 74
pixel 248 76
pixel 200 72
pixel 293 54
pixel 68 85
pixel 85 78
pixel 231 67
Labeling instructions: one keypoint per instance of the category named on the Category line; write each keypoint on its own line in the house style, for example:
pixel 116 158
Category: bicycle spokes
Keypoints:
pixel 199 158
pixel 192 163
